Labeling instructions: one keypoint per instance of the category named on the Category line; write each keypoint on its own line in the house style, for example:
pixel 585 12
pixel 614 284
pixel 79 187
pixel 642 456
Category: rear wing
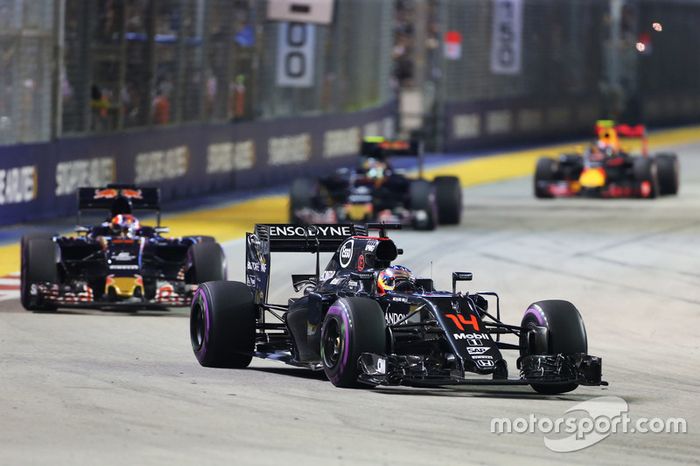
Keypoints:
pixel 267 239
pixel 305 238
pixel 611 133
pixel 382 148
pixel 120 197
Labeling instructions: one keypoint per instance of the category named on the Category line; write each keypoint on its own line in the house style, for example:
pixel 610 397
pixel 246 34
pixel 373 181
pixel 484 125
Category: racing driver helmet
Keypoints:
pixel 124 225
pixel 395 278
pixel 603 149
pixel 374 169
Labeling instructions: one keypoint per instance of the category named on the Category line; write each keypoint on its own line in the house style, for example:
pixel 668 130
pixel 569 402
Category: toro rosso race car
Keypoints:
pixel 376 191
pixel 365 321
pixel 118 263
pixel 607 170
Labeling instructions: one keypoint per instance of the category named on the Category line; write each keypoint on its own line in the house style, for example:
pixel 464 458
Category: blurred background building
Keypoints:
pixel 125 90
pixel 73 67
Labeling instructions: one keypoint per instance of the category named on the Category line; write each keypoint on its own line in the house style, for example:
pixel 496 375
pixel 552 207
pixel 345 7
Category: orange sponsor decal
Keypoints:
pixel 132 193
pixel 106 193
pixel 460 321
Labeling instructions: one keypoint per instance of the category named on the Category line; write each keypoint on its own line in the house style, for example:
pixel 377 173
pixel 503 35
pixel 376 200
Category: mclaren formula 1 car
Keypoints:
pixel 377 191
pixel 118 263
pixel 367 322
pixel 606 169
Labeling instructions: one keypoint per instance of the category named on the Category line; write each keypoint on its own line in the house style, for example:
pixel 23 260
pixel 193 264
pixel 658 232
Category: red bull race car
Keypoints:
pixel 376 191
pixel 366 321
pixel 118 263
pixel 607 170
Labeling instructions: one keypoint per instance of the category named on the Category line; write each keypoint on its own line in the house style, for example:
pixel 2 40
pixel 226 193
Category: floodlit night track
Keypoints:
pixel 116 388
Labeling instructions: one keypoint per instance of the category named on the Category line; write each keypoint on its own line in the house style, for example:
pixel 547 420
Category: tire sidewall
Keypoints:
pixel 544 172
pixel 340 374
pixel 448 194
pixel 422 198
pixel 201 304
pixel 566 335
pixel 208 262
pixel 362 329
pixel 227 310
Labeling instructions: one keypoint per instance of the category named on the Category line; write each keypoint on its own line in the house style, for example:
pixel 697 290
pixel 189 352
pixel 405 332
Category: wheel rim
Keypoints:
pixel 332 344
pixel 197 326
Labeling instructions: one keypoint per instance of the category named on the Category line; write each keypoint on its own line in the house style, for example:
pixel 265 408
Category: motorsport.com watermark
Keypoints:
pixel 588 423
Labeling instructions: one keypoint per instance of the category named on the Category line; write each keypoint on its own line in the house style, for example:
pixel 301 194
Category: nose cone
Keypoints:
pixel 592 178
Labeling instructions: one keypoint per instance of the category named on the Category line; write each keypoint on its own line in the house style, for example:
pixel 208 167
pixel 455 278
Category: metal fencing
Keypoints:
pixel 78 67
pixel 26 70
pixel 136 63
pixel 125 64
pixel 526 69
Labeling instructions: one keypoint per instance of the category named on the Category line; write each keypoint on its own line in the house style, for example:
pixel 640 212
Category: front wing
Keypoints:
pixel 581 369
pixel 82 295
pixel 566 188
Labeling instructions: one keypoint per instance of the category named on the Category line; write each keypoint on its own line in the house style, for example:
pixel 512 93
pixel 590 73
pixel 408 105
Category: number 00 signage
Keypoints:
pixel 506 36
pixel 295 54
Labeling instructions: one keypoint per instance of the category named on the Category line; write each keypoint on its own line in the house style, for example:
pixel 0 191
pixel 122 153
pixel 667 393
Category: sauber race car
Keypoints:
pixel 118 263
pixel 365 321
pixel 376 191
pixel 606 169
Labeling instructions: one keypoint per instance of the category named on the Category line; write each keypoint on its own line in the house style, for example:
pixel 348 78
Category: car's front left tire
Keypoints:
pixel 352 326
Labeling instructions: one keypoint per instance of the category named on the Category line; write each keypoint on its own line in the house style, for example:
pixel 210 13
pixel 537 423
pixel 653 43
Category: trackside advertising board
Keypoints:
pixel 39 181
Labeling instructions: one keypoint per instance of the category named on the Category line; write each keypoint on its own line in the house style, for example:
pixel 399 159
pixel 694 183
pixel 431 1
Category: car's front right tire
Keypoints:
pixel 222 324
pixel 39 256
pixel 669 174
pixel 565 334
pixel 544 173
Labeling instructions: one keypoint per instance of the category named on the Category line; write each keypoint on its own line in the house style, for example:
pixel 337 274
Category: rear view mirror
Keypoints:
pixel 460 277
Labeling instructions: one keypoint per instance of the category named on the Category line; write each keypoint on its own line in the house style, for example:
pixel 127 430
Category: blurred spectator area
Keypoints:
pixel 27 31
pixel 136 63
pixel 72 67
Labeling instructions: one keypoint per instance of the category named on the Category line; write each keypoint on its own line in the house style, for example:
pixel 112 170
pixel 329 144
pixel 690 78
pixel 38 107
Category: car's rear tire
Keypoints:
pixel 646 170
pixel 302 195
pixel 208 263
pixel 448 195
pixel 566 334
pixel 544 173
pixel 351 327
pixel 39 264
pixel 669 174
pixel 222 324
pixel 422 199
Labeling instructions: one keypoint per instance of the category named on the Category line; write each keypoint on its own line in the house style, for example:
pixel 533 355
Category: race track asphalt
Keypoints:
pixel 120 388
